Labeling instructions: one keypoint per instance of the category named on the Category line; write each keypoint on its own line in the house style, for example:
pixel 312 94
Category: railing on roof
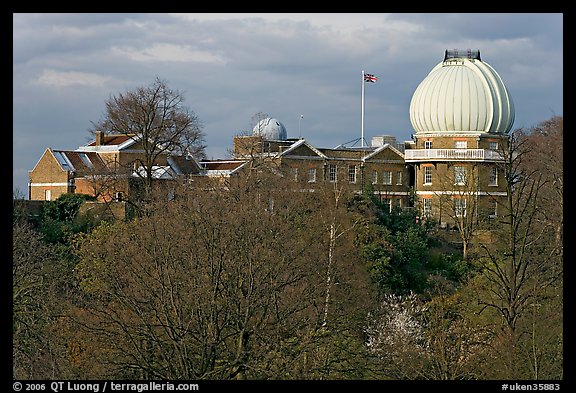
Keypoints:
pixel 459 54
pixel 452 154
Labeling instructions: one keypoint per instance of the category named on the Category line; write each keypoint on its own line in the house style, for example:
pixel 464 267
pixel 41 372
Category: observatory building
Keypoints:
pixel 461 114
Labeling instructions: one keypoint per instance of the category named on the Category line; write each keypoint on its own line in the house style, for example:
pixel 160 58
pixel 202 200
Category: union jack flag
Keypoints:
pixel 370 78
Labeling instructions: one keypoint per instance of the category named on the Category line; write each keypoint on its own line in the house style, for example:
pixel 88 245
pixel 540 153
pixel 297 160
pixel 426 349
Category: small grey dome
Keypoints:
pixel 270 129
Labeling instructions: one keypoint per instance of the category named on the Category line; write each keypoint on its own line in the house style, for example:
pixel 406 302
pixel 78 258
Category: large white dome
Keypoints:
pixel 462 93
pixel 270 129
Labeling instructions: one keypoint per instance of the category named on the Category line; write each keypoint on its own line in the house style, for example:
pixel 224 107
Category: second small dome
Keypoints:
pixel 270 129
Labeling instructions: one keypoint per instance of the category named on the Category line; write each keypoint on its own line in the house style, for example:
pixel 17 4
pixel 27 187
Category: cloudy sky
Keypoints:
pixel 302 69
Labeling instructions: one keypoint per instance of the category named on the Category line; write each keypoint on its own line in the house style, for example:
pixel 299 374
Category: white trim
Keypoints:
pixel 465 134
pixel 311 158
pixel 40 159
pixel 50 184
pixel 129 142
pixel 222 162
pixel 394 193
pixel 387 162
pixel 460 193
pixel 385 146
pixel 65 157
pixel 238 168
pixel 100 148
pixel 86 160
pixel 300 143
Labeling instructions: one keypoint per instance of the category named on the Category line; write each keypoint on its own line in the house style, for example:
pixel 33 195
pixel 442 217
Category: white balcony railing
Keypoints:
pixel 451 154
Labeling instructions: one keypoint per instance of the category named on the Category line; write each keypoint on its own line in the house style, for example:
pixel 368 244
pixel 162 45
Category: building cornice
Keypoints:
pixel 452 134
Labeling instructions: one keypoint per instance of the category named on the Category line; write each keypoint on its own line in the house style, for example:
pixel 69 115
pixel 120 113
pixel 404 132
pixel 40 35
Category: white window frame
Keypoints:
pixel 295 173
pixel 399 178
pixel 460 207
pixel 493 145
pixel 460 175
pixel 427 207
pixel 493 176
pixel 427 173
pixel 312 175
pixel 494 209
pixel 387 178
pixel 387 202
pixel 352 173
pixel 374 177
pixel 47 195
pixel 427 144
pixel 460 144
pixel 332 173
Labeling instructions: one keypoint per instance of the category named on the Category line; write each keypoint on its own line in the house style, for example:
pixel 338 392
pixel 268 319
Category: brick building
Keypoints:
pixel 461 114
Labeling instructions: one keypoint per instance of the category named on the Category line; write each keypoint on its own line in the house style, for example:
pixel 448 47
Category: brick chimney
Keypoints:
pixel 99 138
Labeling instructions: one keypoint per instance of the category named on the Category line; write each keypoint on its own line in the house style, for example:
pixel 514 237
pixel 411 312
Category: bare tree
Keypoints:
pixel 210 286
pixel 154 116
pixel 32 346
pixel 461 204
pixel 545 143
pixel 523 263
pixel 523 252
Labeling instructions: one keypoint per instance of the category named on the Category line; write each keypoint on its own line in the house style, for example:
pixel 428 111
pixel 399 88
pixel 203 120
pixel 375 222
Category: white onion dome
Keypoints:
pixel 270 129
pixel 462 93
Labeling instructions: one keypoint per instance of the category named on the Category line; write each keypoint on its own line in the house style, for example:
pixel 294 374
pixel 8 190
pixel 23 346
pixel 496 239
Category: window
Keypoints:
pixel 374 177
pixel 493 208
pixel 332 173
pixel 427 207
pixel 387 206
pixel 295 173
pixel 493 145
pixel 352 173
pixel 386 177
pixel 47 195
pixel 119 196
pixel 459 175
pixel 493 177
pixel 460 207
pixel 460 144
pixel 428 145
pixel 398 203
pixel 428 175
pixel 398 178
pixel 312 175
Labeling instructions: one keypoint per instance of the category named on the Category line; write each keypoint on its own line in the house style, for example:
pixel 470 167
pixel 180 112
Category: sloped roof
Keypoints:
pixel 163 172
pixel 80 162
pixel 302 142
pixel 346 152
pixel 221 165
pixel 184 165
pixel 384 147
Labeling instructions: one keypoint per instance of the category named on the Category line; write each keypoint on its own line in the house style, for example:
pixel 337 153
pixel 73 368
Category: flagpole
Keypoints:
pixel 362 137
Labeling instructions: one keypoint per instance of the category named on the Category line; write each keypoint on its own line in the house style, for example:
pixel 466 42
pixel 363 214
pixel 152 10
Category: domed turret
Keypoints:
pixel 270 129
pixel 462 93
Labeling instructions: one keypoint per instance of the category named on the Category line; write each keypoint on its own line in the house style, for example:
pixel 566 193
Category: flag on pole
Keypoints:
pixel 370 78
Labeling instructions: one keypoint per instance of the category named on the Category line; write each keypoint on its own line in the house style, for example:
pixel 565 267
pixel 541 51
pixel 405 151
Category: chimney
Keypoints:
pixel 99 138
